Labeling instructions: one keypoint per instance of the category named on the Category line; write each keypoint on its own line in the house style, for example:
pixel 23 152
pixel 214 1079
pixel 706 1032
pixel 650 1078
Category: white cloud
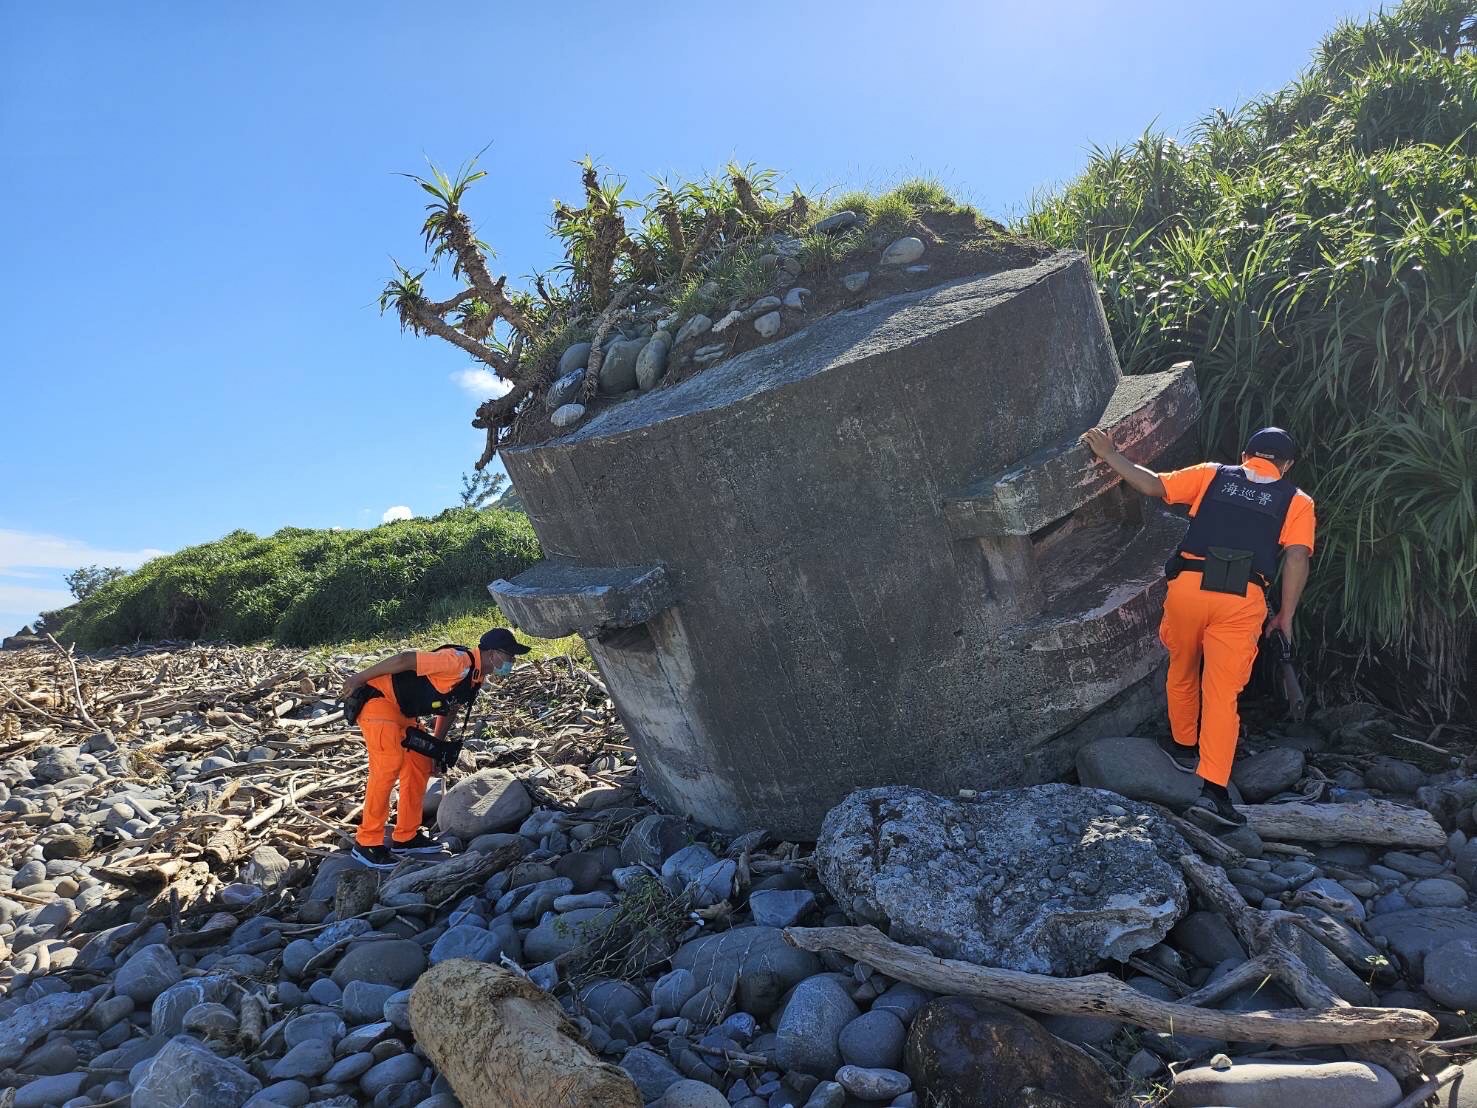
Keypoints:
pixel 34 551
pixel 20 603
pixel 482 383
pixel 398 512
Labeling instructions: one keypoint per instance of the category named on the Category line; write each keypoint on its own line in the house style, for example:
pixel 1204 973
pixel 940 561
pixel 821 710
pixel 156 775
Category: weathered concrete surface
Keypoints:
pixel 826 625
pixel 555 598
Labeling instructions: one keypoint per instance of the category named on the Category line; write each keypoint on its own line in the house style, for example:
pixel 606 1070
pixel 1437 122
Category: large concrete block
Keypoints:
pixel 870 553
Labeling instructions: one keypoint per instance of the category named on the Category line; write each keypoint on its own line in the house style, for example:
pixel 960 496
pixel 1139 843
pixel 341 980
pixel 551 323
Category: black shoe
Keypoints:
pixel 421 844
pixel 375 857
pixel 1224 811
pixel 1185 758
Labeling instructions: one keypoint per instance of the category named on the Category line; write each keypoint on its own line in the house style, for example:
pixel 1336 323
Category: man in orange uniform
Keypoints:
pixel 1244 521
pixel 392 696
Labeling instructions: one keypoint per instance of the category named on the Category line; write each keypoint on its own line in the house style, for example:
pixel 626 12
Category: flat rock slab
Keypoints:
pixel 1048 879
pixel 1277 1084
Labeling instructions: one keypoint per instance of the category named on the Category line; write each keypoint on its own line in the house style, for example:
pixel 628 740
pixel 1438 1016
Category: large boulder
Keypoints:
pixel 1276 1084
pixel 489 800
pixel 502 1042
pixel 185 1072
pixel 1135 767
pixel 1047 879
pixel 966 1053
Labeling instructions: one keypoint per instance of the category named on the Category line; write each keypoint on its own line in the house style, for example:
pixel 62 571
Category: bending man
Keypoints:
pixel 391 697
pixel 1244 521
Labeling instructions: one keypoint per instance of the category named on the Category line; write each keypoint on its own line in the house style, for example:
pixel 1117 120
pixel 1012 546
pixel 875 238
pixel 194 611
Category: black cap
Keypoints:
pixel 500 638
pixel 1272 443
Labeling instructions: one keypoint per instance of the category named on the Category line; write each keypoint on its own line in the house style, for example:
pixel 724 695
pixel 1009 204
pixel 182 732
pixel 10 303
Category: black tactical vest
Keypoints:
pixel 1242 514
pixel 416 696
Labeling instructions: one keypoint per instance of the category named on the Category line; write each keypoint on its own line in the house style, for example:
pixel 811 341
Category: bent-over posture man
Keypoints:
pixel 391 697
pixel 1245 520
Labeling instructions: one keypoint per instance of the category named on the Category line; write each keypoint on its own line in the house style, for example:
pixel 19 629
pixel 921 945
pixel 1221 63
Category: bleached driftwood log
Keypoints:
pixel 502 1042
pixel 1102 995
pixel 1368 821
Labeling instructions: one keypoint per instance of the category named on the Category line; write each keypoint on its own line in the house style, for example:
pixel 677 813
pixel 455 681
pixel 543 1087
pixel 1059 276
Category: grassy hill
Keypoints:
pixel 306 587
pixel 1315 253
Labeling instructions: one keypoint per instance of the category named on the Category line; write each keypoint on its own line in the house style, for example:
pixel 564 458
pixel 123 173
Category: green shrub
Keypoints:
pixel 1315 254
pixel 304 587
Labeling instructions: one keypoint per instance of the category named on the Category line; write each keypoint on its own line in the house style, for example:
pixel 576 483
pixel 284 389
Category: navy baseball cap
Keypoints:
pixel 500 638
pixel 1272 443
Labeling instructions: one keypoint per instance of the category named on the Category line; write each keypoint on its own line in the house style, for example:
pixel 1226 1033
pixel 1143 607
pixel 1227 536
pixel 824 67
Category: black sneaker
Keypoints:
pixel 1224 812
pixel 421 844
pixel 375 857
pixel 1185 758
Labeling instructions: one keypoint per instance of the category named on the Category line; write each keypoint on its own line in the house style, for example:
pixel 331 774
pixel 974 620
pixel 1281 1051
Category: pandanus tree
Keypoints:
pixel 469 319
pixel 612 268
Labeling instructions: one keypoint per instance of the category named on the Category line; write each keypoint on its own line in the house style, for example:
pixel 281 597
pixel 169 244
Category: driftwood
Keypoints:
pixel 443 880
pixel 1102 995
pixel 1367 821
pixel 165 703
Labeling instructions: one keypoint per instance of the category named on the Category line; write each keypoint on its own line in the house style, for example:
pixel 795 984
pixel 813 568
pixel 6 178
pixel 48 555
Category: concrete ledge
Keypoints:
pixel 554 598
pixel 1145 415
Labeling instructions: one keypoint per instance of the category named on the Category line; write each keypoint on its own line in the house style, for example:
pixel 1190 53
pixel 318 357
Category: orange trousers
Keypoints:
pixel 383 728
pixel 1212 641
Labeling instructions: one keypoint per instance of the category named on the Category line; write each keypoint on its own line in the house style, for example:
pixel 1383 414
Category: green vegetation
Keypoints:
pixel 466 626
pixel 687 247
pixel 1315 253
pixel 85 581
pixel 304 587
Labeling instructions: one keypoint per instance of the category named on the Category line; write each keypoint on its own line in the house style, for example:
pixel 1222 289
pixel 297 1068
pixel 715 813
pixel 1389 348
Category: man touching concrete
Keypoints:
pixel 1245 522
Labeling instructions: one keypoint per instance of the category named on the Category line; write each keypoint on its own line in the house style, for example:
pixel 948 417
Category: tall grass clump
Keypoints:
pixel 1315 253
pixel 305 587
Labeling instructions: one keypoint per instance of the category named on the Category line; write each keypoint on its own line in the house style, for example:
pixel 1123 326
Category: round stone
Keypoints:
pixel 873 1041
pixel 905 251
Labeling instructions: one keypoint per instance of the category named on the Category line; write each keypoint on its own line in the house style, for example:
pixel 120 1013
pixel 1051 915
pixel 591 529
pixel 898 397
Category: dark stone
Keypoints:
pixel 970 665
pixel 1415 932
pixel 965 1053
pixel 1266 774
pixel 655 839
pixel 757 958
pixel 582 868
pixel 1394 776
pixel 1135 767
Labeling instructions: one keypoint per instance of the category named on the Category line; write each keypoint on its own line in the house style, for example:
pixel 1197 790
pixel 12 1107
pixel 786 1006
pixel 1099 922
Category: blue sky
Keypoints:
pixel 199 203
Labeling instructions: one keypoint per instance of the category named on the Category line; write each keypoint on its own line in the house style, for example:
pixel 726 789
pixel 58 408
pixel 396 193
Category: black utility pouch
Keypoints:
pixel 1226 570
pixel 422 742
pixel 355 701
